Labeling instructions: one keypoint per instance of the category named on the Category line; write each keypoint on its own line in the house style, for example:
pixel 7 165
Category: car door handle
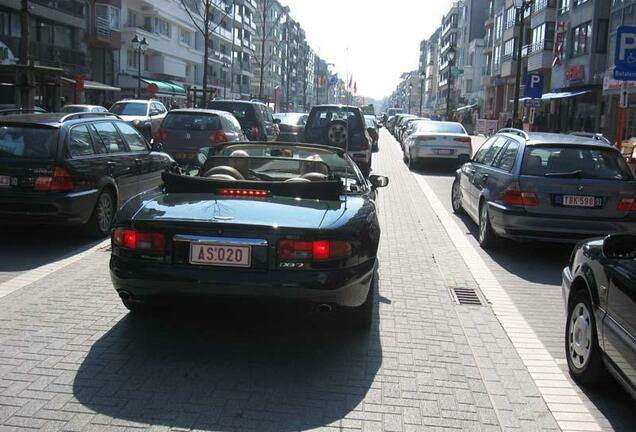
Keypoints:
pixel 138 162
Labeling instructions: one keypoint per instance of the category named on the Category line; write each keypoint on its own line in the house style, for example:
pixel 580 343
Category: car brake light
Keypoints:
pixel 318 250
pixel 217 137
pixel 627 204
pixel 161 135
pixel 516 197
pixel 255 193
pixel 463 139
pixel 61 181
pixel 295 129
pixel 139 241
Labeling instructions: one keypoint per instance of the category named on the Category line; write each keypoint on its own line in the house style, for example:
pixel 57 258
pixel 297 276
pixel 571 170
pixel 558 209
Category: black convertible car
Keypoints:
pixel 261 220
pixel 599 288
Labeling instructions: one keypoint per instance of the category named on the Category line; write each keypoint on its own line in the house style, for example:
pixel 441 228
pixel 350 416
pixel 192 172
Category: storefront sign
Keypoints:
pixel 610 83
pixel 558 44
pixel 6 56
pixel 575 73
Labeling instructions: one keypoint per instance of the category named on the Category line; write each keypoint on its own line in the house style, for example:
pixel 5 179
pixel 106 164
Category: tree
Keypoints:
pixel 266 31
pixel 201 12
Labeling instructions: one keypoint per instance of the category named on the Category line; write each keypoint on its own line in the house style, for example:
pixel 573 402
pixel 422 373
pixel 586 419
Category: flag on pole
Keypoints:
pixel 355 87
pixel 350 81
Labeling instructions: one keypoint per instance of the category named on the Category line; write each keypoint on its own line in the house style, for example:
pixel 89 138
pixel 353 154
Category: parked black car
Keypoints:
pixel 599 289
pixel 341 126
pixel 291 126
pixel 183 132
pixel 72 169
pixel 255 118
pixel 263 220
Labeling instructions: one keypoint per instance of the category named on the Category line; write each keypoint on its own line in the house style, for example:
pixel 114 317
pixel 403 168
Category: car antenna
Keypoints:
pixel 347 154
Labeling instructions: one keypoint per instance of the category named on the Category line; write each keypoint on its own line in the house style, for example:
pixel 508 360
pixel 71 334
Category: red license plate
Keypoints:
pixel 579 201
pixel 220 255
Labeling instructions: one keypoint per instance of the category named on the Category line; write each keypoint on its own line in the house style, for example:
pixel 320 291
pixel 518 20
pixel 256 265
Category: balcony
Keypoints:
pixel 70 7
pixel 541 5
pixel 540 56
pixel 227 34
pixel 104 34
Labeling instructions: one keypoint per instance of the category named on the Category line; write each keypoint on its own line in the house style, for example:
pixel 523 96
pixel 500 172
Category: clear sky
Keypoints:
pixel 376 40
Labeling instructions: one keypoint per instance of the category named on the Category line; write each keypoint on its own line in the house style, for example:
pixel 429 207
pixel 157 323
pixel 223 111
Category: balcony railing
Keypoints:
pixel 71 7
pixel 543 45
pixel 102 27
pixel 223 32
pixel 540 5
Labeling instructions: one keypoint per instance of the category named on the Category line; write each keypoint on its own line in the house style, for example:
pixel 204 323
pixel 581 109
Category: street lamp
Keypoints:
pixel 422 78
pixel 521 6
pixel 140 46
pixel 450 55
pixel 410 92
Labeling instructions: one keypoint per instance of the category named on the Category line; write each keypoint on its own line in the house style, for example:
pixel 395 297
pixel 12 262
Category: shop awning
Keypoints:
pixel 562 95
pixel 166 87
pixel 92 85
pixel 466 107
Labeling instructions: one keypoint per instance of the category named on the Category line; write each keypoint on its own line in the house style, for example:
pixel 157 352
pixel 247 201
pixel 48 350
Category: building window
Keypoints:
pixel 498 26
pixel 511 17
pixel 581 39
pixel 132 18
pixel 497 55
pixel 108 15
pixel 185 37
pixel 579 2
pixel 509 49
pixel 543 37
pixel 132 58
pixel 163 27
pixel 564 6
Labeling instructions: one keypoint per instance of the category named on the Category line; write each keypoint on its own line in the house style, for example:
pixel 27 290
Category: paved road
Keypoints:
pixel 71 358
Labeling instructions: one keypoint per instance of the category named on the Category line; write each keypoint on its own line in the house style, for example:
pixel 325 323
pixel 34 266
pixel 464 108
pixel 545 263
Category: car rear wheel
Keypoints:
pixel 456 197
pixel 581 341
pixel 103 214
pixel 487 237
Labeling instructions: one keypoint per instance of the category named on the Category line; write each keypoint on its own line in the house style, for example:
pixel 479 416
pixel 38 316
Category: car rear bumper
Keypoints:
pixel 519 225
pixel 460 154
pixel 47 209
pixel 161 282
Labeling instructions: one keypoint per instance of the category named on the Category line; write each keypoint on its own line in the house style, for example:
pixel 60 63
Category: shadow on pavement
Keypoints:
pixel 230 367
pixel 26 248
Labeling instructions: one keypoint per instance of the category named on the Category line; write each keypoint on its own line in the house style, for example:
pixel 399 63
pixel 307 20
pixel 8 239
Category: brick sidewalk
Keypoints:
pixel 71 359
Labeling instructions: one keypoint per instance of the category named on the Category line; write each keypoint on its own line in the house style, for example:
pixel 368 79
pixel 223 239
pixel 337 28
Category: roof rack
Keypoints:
pixel 594 136
pixel 87 114
pixel 515 131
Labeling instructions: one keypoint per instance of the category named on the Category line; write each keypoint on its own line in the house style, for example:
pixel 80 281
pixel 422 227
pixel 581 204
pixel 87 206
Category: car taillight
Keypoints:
pixel 60 181
pixel 520 198
pixel 254 133
pixel 217 137
pixel 295 129
pixel 161 135
pixel 627 204
pixel 232 192
pixel 463 139
pixel 317 250
pixel 139 241
pixel 424 138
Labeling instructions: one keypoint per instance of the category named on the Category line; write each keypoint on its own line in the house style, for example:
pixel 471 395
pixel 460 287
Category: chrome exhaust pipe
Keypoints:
pixel 324 308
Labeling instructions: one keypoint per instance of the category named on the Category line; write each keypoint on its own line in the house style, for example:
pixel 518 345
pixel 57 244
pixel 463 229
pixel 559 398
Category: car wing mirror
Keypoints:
pixel 156 147
pixel 620 246
pixel 378 181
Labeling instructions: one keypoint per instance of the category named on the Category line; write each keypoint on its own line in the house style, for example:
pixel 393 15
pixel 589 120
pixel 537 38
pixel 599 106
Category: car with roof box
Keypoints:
pixel 261 221
pixel 545 186
pixel 61 169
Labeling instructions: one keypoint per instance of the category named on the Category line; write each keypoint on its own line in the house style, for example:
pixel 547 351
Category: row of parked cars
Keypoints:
pixel 557 188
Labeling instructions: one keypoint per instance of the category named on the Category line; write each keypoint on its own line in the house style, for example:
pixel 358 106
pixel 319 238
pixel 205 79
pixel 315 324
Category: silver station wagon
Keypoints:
pixel 542 186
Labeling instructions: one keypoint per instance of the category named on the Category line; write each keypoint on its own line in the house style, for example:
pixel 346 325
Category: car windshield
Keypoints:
pixel 323 116
pixel 28 142
pixel 240 110
pixel 578 162
pixel 338 165
pixel 370 121
pixel 192 121
pixel 292 118
pixel 130 108
pixel 75 108
pixel 440 127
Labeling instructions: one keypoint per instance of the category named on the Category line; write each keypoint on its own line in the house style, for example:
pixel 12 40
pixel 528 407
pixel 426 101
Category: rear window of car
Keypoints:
pixel 130 108
pixel 192 121
pixel 240 111
pixel 370 122
pixel 74 109
pixel 441 127
pixel 292 119
pixel 579 162
pixel 322 117
pixel 28 142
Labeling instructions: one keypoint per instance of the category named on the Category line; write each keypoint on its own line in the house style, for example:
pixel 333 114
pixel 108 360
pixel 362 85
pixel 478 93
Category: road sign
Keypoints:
pixel 623 101
pixel 534 85
pixel 532 103
pixel 625 54
pixel 455 71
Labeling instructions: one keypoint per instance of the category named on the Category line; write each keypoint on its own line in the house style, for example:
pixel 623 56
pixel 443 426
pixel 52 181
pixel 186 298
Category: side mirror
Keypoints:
pixel 276 121
pixel 620 246
pixel 378 181
pixel 156 147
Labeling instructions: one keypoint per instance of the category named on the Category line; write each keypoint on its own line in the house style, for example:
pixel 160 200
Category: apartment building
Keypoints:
pixel 430 65
pixel 448 38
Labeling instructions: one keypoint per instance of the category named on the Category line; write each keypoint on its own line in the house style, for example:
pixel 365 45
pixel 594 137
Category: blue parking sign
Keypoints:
pixel 625 54
pixel 534 85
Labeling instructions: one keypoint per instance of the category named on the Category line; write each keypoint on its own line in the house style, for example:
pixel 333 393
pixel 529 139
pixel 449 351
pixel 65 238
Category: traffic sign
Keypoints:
pixel 455 71
pixel 625 54
pixel 534 85
pixel 532 103
pixel 623 101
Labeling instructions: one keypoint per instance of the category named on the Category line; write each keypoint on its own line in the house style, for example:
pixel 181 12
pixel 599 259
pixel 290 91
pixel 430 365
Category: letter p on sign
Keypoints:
pixel 627 42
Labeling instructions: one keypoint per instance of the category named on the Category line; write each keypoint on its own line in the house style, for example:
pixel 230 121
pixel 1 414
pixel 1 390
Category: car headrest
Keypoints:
pixel 224 170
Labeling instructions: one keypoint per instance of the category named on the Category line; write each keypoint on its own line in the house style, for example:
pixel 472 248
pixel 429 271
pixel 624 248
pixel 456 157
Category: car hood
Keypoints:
pixel 271 212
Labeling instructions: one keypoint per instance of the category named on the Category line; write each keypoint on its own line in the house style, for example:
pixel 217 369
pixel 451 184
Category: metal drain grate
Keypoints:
pixel 466 296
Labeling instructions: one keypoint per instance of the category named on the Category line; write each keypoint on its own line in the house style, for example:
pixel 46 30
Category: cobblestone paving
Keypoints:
pixel 72 359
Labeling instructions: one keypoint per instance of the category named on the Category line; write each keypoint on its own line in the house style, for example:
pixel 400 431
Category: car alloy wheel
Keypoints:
pixel 104 212
pixel 456 198
pixel 580 336
pixel 483 222
pixel 337 134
